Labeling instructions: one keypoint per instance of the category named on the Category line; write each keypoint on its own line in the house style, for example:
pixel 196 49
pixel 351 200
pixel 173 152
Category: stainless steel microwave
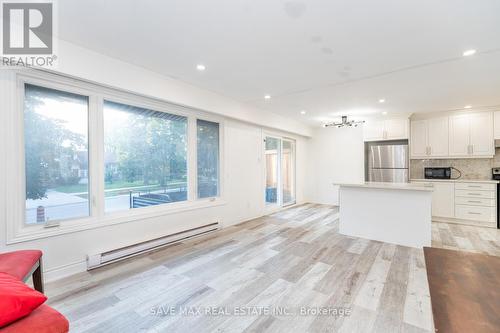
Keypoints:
pixel 437 173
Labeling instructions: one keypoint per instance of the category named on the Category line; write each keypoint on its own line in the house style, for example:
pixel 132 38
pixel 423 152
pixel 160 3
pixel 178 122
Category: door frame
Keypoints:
pixel 294 173
pixel 272 207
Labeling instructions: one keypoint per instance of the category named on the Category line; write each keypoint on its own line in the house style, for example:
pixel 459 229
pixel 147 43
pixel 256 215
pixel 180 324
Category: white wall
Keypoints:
pixel 336 155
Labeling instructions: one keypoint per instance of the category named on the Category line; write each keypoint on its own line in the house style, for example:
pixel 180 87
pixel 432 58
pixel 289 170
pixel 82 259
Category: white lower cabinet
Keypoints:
pixel 473 203
pixel 475 194
pixel 475 213
pixel 476 202
pixel 443 200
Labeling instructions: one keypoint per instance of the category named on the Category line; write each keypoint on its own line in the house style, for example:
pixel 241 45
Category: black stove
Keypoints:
pixel 495 175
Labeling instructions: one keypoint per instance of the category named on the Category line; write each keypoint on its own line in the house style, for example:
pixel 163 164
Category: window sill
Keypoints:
pixel 29 233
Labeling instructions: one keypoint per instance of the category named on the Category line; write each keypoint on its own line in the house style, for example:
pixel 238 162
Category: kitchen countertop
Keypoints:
pixel 485 181
pixel 390 186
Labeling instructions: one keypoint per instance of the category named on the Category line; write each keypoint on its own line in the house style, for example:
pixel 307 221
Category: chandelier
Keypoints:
pixel 344 123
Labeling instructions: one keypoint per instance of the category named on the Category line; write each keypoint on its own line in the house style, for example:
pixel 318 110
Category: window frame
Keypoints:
pixel 220 171
pixel 154 107
pixel 21 85
pixel 294 168
pixel 18 230
pixel 273 205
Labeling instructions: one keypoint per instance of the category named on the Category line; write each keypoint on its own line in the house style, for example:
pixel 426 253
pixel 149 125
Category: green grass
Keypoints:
pixel 122 184
pixel 76 188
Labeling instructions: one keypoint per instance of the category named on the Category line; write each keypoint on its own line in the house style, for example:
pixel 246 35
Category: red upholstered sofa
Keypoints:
pixel 44 319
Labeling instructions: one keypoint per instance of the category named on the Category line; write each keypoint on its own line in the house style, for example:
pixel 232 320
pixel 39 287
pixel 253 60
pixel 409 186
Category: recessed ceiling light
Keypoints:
pixel 469 53
pixel 384 113
pixel 382 100
pixel 467 106
pixel 200 67
pixel 267 97
pixel 303 112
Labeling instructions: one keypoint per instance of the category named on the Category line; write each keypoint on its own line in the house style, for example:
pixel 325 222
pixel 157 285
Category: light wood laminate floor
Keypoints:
pixel 285 263
pixel 466 238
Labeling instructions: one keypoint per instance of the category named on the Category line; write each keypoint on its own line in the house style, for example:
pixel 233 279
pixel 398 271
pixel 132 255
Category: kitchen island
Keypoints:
pixel 398 213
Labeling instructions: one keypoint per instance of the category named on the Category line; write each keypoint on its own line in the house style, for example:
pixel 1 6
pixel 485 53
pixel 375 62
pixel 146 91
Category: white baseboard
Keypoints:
pixel 63 271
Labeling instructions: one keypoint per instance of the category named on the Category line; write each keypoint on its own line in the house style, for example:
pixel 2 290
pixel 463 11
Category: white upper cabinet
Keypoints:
pixel 391 129
pixel 438 136
pixel 496 125
pixel 429 138
pixel 472 135
pixel 418 141
pixel 481 134
pixel 396 129
pixel 373 130
pixel 459 135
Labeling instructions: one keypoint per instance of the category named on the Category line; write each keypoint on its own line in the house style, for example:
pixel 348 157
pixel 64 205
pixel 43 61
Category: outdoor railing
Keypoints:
pixel 157 195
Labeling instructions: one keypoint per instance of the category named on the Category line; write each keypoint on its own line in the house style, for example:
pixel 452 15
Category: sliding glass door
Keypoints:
pixel 279 154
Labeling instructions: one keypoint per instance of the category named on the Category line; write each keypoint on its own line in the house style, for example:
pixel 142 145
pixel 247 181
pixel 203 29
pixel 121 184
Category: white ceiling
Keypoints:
pixel 329 57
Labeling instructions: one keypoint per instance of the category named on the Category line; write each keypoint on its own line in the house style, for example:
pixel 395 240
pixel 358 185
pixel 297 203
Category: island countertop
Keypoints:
pixel 390 186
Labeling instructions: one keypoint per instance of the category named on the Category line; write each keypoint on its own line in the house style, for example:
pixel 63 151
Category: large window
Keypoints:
pixel 145 157
pixel 56 154
pixel 93 154
pixel 208 158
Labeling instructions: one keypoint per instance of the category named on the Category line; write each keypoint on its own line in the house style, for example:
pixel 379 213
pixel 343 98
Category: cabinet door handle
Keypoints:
pixel 474 213
pixel 474 186
pixel 474 201
pixel 472 149
pixel 473 193
pixel 430 150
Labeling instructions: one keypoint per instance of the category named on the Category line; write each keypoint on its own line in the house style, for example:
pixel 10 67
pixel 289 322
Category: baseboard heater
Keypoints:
pixel 105 258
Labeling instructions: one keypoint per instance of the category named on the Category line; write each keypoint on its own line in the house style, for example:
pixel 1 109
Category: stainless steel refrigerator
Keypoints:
pixel 387 162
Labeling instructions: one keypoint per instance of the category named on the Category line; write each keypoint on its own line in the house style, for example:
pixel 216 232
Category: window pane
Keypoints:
pixel 145 160
pixel 272 172
pixel 56 154
pixel 288 172
pixel 208 158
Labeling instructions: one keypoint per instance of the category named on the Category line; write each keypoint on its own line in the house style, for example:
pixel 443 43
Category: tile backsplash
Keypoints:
pixel 471 168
